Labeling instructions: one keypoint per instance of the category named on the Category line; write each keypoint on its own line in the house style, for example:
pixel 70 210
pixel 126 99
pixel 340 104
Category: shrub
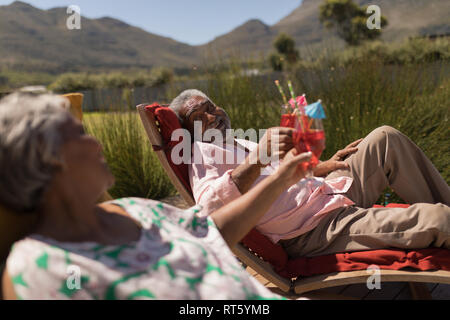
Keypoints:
pixel 73 82
pixel 276 61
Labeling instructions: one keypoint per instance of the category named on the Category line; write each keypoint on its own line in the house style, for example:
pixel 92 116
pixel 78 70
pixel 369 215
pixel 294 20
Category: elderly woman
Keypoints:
pixel 124 249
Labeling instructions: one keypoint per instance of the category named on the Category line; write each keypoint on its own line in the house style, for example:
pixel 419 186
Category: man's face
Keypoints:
pixel 211 116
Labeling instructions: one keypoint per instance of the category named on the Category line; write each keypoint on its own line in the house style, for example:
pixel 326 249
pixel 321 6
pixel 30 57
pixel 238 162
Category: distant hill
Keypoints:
pixel 406 18
pixel 29 35
pixel 38 39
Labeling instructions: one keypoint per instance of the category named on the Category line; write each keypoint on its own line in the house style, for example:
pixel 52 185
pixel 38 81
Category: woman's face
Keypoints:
pixel 85 168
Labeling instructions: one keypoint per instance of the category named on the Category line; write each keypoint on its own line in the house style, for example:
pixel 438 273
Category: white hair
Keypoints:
pixel 179 102
pixel 30 140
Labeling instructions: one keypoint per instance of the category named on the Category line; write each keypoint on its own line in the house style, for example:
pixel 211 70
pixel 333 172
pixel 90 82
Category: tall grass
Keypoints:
pixel 129 155
pixel 358 98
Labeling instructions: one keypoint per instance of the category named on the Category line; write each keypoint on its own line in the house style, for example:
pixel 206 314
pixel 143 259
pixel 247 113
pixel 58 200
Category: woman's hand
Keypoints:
pixel 290 172
pixel 337 161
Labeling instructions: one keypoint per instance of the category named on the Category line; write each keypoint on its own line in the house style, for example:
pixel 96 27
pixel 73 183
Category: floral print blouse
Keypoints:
pixel 178 256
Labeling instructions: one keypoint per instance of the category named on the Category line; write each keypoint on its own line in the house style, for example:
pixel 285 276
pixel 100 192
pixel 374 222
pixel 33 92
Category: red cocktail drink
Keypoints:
pixel 312 140
pixel 289 120
pixel 308 137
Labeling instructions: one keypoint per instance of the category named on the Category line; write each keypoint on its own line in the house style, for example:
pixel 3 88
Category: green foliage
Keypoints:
pixel 10 79
pixel 285 52
pixel 276 61
pixel 161 76
pixel 70 82
pixel 129 155
pixel 113 80
pixel 285 45
pixel 349 20
pixel 413 51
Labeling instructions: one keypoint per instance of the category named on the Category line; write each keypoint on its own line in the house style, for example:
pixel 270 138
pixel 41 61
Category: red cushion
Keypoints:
pixel 392 259
pixel 426 259
pixel 168 122
pixel 397 205
pixel 392 205
pixel 270 252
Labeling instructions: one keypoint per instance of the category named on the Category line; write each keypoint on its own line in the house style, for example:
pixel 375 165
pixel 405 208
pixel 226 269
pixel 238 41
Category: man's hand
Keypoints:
pixel 278 140
pixel 337 161
pixel 275 143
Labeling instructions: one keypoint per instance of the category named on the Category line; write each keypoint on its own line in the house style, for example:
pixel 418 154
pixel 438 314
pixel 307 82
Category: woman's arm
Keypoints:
pixel 237 218
pixel 7 287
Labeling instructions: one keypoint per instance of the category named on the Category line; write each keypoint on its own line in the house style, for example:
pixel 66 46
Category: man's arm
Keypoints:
pixel 246 174
pixel 276 142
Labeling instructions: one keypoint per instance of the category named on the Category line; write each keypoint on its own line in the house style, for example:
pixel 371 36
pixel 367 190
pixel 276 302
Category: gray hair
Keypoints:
pixel 179 102
pixel 30 140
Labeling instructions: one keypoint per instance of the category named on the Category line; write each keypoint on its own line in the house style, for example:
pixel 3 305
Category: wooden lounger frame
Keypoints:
pixel 302 284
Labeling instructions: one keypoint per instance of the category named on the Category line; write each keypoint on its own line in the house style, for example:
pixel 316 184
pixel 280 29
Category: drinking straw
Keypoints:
pixel 280 89
pixel 293 94
pixel 310 124
pixel 295 101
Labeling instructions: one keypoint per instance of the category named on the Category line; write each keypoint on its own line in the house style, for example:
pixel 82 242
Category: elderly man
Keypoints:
pixel 331 212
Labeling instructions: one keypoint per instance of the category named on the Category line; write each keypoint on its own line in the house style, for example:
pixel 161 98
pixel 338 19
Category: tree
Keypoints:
pixel 285 47
pixel 349 20
pixel 276 61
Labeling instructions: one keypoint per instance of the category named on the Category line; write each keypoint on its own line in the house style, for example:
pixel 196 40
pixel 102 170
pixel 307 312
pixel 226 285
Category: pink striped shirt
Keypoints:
pixel 297 211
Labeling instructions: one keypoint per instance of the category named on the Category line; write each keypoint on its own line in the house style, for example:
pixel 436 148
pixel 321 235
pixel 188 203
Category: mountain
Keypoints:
pixel 39 39
pixel 251 37
pixel 406 18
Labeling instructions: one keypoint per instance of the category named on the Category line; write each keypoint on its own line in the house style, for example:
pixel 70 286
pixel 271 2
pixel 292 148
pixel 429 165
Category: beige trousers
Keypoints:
pixel 385 158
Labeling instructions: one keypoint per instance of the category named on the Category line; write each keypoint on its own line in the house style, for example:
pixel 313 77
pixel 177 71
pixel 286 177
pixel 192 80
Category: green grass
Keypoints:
pixel 10 79
pixel 129 155
pixel 358 98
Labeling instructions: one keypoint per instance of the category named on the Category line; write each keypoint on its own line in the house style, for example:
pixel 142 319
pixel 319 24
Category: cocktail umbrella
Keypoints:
pixel 315 110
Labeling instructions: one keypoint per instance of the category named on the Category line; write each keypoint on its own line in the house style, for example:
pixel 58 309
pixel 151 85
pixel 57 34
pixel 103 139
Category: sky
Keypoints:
pixel 190 21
